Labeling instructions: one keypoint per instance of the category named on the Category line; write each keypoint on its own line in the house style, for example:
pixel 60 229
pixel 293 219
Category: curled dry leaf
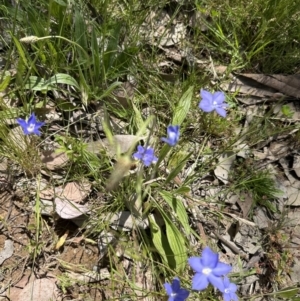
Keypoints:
pixel 223 168
pixel 123 142
pixel 76 192
pixel 54 160
pixel 68 209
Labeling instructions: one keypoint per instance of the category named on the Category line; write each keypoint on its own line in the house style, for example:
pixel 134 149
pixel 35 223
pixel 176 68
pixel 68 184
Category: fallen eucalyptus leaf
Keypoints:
pixel 54 160
pixel 123 142
pixel 7 251
pixel 222 170
pixel 75 191
pixel 68 210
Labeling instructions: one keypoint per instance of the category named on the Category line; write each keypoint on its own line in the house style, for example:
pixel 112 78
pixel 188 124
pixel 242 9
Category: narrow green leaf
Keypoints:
pixel 96 54
pixel 178 208
pixel 21 51
pixel 183 107
pixel 288 292
pixel 177 169
pixel 5 82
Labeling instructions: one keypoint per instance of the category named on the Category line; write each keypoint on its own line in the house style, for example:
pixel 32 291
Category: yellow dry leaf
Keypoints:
pixel 61 240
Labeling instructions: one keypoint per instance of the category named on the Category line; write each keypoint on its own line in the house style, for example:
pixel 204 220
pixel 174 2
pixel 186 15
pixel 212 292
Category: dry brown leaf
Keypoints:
pixel 223 168
pixel 123 94
pixel 75 191
pixel 89 276
pixel 123 142
pixel 7 251
pixel 276 83
pixel 48 193
pixel 68 209
pixel 40 289
pixel 296 165
pixel 54 160
pixel 61 240
pixel 245 202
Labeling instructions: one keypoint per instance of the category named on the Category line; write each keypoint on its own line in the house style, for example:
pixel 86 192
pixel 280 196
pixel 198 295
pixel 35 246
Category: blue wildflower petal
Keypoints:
pixel 221 112
pixel 182 295
pixel 209 258
pixel 139 154
pixel 222 269
pixel 23 124
pixel 196 264
pixel 174 291
pixel 168 288
pixel 175 285
pixel 206 105
pixel 31 119
pixel 145 155
pixel 219 97
pixel 226 282
pixel 199 282
pixel 232 287
pixel 229 290
pixel 226 297
pixel 206 95
pixel 173 135
pixel 217 282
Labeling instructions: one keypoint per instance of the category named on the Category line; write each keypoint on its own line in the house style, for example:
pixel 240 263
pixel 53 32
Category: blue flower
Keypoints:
pixel 173 135
pixel 215 101
pixel 145 154
pixel 229 290
pixel 174 291
pixel 31 126
pixel 208 270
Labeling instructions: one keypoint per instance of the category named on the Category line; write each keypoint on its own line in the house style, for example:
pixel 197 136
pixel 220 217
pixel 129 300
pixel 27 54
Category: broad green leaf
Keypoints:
pixel 62 78
pixel 39 84
pixel 159 240
pixel 183 107
pixel 177 244
pixel 138 116
pixel 182 190
pixel 35 83
pixel 178 208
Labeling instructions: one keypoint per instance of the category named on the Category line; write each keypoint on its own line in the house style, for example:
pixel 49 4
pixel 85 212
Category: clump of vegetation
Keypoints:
pixel 93 85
